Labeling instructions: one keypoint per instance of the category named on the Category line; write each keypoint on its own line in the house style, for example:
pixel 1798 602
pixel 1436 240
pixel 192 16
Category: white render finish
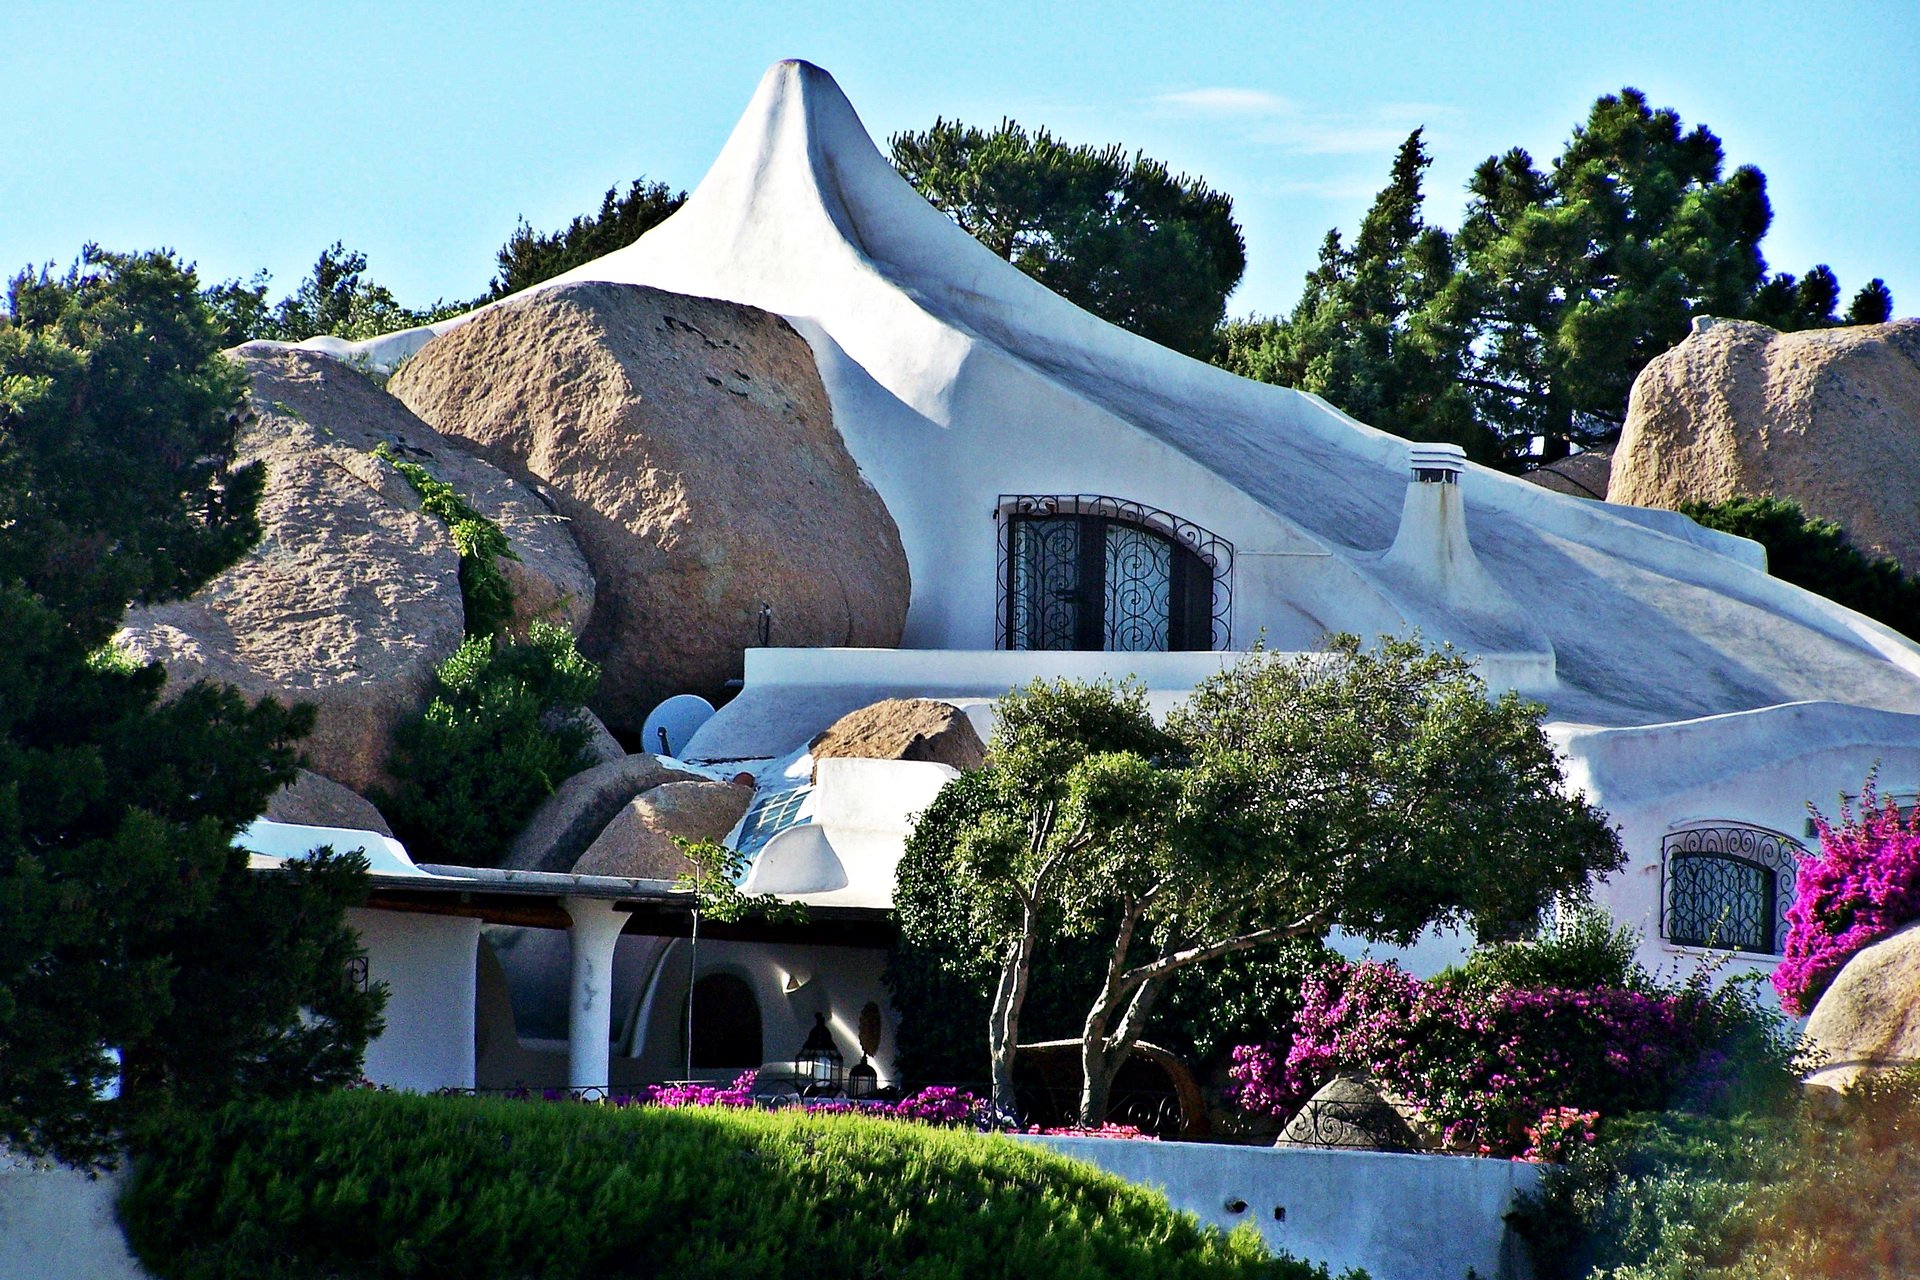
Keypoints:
pixel 956 381
pixel 592 937
pixel 427 963
pixel 1399 1217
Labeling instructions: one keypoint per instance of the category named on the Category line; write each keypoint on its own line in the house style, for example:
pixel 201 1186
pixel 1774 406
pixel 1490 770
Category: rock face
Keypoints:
pixel 639 840
pixel 1870 1017
pixel 568 820
pixel 1829 418
pixel 691 444
pixel 1583 475
pixel 313 801
pixel 352 595
pixel 903 729
pixel 1348 1113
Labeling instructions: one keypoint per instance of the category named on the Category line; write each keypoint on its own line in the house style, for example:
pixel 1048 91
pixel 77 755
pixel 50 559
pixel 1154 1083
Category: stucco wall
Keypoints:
pixel 1401 1217
pixel 428 964
pixel 1758 769
pixel 56 1224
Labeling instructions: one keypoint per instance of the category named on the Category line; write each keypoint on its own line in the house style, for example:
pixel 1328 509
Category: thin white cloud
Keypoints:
pixel 1275 121
pixel 1221 100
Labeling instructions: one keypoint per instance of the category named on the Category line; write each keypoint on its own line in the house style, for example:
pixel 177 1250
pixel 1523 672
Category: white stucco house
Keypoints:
pixel 1074 500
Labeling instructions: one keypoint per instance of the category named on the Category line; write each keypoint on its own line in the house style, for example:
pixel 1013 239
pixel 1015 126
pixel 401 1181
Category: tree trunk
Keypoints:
pixel 1003 1027
pixel 1104 1049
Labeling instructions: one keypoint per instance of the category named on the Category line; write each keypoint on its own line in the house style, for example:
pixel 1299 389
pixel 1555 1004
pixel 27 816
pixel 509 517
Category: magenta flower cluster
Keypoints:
pixel 696 1094
pixel 937 1104
pixel 1481 1066
pixel 1862 884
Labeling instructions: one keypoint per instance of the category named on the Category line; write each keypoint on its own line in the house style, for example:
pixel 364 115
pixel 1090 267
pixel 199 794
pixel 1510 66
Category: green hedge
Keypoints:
pixel 1781 1197
pixel 366 1184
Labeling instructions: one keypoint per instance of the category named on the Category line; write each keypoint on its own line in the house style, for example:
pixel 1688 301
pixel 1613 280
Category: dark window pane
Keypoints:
pixel 1715 901
pixel 726 1023
pixel 1139 590
pixel 1044 589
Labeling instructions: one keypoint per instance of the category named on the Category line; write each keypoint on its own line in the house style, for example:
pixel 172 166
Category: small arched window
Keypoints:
pixel 1727 886
pixel 1085 572
pixel 726 1023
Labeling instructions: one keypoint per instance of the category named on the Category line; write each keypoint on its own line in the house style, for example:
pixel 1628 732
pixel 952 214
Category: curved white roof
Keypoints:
pixel 955 377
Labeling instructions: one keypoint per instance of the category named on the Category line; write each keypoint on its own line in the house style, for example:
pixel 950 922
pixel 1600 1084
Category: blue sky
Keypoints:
pixel 251 135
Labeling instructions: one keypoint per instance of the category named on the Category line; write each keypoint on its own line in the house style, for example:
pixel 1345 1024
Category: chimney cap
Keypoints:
pixel 1437 463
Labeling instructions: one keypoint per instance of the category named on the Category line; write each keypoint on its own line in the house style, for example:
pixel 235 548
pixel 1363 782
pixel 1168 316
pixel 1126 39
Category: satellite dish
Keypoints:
pixel 672 724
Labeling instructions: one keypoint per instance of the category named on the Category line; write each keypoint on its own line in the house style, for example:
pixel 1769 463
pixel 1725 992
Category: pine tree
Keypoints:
pixel 530 257
pixel 1379 329
pixel 128 921
pixel 1120 236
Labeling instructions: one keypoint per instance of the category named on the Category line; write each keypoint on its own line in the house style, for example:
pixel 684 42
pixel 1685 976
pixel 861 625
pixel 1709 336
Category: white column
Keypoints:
pixel 595 929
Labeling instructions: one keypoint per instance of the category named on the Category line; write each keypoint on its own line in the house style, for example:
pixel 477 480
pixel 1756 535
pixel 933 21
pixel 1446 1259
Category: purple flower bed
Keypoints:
pixel 937 1104
pixel 1484 1066
pixel 1862 884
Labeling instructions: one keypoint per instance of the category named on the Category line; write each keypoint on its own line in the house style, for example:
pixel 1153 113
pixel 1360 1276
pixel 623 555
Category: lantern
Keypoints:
pixel 863 1081
pixel 817 1067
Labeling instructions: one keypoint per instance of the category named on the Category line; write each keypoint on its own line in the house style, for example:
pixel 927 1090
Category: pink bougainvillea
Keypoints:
pixel 1862 884
pixel 695 1094
pixel 1558 1133
pixel 1122 1132
pixel 1482 1066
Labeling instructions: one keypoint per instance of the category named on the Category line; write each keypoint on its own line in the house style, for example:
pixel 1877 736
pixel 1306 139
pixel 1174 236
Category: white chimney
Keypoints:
pixel 1432 542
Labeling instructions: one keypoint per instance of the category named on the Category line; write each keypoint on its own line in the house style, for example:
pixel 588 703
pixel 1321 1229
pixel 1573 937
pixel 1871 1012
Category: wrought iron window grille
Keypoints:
pixel 1727 886
pixel 1138 583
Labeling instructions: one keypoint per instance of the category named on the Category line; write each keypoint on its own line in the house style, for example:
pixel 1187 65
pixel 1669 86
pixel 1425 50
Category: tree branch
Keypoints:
pixel 1195 955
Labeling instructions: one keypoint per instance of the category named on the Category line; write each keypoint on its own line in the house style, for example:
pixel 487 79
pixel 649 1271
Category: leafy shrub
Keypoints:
pixel 484 590
pixel 1861 884
pixel 1814 553
pixel 491 745
pixel 1485 1064
pixel 369 1184
pixel 1682 1197
pixel 1583 948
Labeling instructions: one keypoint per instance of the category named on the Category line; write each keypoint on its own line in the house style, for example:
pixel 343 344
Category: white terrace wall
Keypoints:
pixel 1401 1217
pixel 58 1224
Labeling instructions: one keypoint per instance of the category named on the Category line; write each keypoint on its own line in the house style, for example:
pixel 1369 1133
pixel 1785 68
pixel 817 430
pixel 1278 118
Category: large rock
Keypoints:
pixel 691 443
pixel 579 808
pixel 1827 417
pixel 1869 1019
pixel 352 595
pixel 639 840
pixel 903 729
pixel 1581 475
pixel 1348 1112
pixel 313 801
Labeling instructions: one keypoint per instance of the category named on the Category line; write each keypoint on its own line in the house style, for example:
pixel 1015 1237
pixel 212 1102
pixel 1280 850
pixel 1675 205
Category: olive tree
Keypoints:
pixel 1377 790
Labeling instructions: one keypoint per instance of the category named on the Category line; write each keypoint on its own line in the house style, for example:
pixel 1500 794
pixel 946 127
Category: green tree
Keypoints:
pixel 128 920
pixel 1377 791
pixel 1379 329
pixel 1580 275
pixel 1119 235
pixel 1521 335
pixel 336 300
pixel 1872 305
pixel 497 736
pixel 1814 553
pixel 530 257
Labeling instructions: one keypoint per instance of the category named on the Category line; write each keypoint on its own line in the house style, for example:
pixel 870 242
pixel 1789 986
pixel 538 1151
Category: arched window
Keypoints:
pixel 1727 886
pixel 726 1023
pixel 1088 572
